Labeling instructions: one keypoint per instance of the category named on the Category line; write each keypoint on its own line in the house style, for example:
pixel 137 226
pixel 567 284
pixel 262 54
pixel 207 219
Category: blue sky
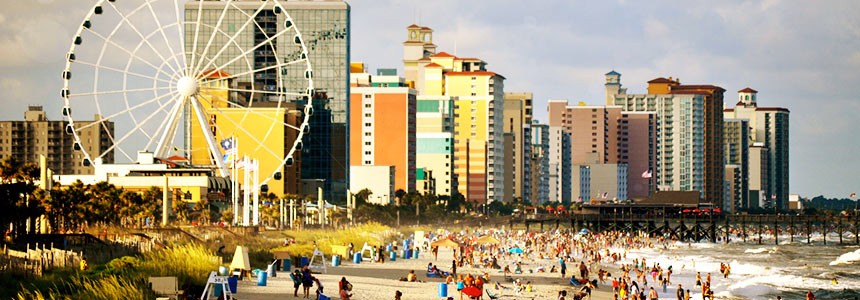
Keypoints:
pixel 801 55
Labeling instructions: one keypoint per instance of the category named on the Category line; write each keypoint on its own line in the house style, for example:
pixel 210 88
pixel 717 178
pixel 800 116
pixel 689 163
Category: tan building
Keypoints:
pixel 518 119
pixel 37 135
pixel 593 130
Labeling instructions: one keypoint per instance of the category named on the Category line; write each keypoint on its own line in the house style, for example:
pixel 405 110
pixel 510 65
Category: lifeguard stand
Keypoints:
pixel 215 280
pixel 317 253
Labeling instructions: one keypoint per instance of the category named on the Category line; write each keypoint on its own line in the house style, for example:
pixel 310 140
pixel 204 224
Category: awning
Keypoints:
pixel 219 183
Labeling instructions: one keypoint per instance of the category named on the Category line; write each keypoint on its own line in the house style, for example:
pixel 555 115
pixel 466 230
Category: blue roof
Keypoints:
pixel 613 73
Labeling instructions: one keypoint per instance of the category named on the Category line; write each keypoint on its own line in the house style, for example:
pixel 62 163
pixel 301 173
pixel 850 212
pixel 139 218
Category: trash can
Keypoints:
pixel 415 253
pixel 392 256
pixel 223 271
pixel 335 260
pixel 356 258
pixel 286 265
pixel 261 278
pixel 388 247
pixel 271 271
pixel 304 261
pixel 218 290
pixel 443 290
pixel 233 283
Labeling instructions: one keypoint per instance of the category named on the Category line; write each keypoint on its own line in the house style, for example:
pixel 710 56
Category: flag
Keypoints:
pixel 646 174
pixel 227 143
pixel 229 156
pixel 852 195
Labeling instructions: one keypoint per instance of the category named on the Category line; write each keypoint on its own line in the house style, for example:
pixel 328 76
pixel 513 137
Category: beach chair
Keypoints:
pixel 491 295
pixel 165 286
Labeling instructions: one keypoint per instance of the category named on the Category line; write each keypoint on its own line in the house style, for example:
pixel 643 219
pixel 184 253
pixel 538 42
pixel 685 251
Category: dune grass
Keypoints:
pixel 127 277
pixel 373 234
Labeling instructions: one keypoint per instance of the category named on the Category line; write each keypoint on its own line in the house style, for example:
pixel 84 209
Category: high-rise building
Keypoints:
pixel 737 147
pixel 324 25
pixel 769 130
pixel 382 117
pixel 600 182
pixel 559 182
pixel 680 132
pixel 36 135
pixel 517 120
pixel 637 142
pixel 540 155
pixel 478 113
pixel 435 141
pixel 593 130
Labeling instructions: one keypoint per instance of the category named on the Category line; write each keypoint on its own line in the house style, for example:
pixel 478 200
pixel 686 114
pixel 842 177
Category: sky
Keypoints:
pixel 801 55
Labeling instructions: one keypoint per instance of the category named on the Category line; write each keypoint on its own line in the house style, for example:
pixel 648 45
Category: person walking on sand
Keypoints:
pixel 680 292
pixel 297 281
pixel 307 280
pixel 563 267
pixel 344 287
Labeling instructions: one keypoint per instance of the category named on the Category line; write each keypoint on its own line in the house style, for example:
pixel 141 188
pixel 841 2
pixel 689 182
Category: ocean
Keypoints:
pixel 762 271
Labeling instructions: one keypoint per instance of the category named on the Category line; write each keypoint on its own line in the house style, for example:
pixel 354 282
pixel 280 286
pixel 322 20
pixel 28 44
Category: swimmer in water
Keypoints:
pixel 834 281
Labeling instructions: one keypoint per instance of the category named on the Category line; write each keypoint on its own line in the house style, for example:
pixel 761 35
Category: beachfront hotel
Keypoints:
pixel 36 135
pixel 737 149
pixel 517 123
pixel 382 117
pixel 478 112
pixel 324 25
pixel 680 133
pixel 539 191
pixel 769 152
pixel 435 143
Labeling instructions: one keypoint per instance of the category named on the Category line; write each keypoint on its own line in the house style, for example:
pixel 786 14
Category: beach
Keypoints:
pixel 380 281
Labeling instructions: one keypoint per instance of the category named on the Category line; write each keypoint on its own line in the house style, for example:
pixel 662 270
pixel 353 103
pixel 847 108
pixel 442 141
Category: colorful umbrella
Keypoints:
pixel 444 243
pixel 487 239
pixel 472 291
pixel 516 250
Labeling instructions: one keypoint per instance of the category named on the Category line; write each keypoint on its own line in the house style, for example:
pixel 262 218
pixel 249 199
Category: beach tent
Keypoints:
pixel 487 240
pixel 318 254
pixel 445 243
pixel 472 291
pixel 240 259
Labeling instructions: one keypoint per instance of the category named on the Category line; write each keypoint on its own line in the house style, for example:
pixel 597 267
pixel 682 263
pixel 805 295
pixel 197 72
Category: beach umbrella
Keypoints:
pixel 516 250
pixel 560 208
pixel 697 210
pixel 549 208
pixel 444 243
pixel 686 211
pixel 487 240
pixel 717 210
pixel 472 291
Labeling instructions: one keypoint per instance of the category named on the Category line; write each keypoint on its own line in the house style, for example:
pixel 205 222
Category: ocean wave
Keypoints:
pixel 847 258
pixel 757 250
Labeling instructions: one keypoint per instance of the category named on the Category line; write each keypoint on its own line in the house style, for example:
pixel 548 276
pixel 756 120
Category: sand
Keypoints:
pixel 380 281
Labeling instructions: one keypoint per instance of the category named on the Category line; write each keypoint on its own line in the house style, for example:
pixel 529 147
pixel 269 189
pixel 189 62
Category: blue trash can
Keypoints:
pixel 335 260
pixel 261 278
pixel 415 254
pixel 286 265
pixel 304 261
pixel 392 256
pixel 443 290
pixel 218 290
pixel 356 258
pixel 233 283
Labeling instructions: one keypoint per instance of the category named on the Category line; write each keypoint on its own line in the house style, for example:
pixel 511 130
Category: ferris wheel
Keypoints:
pixel 179 77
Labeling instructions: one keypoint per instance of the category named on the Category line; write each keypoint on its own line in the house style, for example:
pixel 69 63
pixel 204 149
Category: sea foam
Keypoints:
pixel 847 258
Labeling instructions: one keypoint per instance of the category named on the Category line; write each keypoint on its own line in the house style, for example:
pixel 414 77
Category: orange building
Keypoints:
pixel 382 121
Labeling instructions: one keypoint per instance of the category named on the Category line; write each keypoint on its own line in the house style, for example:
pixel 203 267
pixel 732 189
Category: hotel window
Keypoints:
pixel 367 134
pixel 366 124
pixel 367 115
pixel 367 105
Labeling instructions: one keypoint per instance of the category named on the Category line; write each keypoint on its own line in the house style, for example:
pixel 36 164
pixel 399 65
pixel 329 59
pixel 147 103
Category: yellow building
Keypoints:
pixel 260 133
pixel 478 99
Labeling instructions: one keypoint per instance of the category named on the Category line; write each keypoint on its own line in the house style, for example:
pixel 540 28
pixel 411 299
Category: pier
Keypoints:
pixel 706 227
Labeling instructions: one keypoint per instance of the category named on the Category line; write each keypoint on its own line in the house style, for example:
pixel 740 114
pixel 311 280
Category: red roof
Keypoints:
pixel 413 26
pixel 662 80
pixel 426 28
pixel 747 90
pixel 215 74
pixel 433 65
pixel 442 54
pixel 473 73
pixel 424 59
pixel 177 158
